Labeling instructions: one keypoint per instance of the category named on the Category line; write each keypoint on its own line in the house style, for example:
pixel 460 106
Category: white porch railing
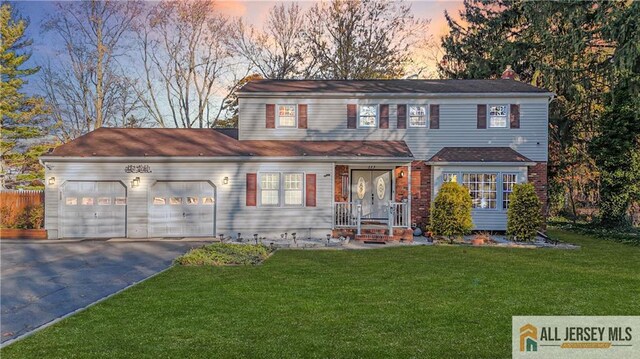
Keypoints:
pixel 349 215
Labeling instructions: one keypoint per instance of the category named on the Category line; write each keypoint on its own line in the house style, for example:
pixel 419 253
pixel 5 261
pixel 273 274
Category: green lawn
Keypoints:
pixel 393 302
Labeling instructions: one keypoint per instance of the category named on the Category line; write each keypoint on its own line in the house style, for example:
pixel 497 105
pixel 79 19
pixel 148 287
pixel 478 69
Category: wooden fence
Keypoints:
pixel 12 203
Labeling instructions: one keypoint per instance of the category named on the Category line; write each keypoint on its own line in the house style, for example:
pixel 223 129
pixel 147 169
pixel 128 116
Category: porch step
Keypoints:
pixel 379 238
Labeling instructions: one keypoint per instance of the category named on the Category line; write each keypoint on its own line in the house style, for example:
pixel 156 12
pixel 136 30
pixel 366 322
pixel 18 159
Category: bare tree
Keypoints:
pixel 362 39
pixel 277 50
pixel 185 63
pixel 83 87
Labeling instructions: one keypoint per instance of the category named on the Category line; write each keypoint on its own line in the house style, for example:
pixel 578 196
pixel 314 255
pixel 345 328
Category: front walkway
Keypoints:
pixel 44 281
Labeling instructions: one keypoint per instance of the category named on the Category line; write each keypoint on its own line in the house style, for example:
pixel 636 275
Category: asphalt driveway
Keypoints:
pixel 43 281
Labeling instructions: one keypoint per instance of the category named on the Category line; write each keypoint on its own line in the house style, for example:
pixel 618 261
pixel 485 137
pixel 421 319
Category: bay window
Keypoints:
pixel 482 187
pixel 508 180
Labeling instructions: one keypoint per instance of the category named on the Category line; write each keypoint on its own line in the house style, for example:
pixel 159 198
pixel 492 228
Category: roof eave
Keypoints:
pixel 397 95
pixel 175 159
pixel 480 163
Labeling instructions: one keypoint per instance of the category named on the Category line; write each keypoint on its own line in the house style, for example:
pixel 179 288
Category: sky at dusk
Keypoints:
pixel 46 45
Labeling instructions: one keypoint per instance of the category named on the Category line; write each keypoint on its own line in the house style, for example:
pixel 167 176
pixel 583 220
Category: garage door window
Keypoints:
pixel 71 201
pixel 207 200
pixel 159 201
pixel 192 200
pixel 120 201
pixel 175 200
pixel 104 201
pixel 87 201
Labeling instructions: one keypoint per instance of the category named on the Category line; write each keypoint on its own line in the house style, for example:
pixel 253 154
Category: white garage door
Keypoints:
pixel 182 209
pixel 93 209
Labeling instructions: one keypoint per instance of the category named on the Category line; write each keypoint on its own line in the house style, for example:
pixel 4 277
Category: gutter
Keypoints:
pixel 156 159
pixel 434 163
pixel 395 95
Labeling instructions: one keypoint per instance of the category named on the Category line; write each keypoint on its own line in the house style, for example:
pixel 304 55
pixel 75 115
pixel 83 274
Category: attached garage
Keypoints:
pixel 93 209
pixel 182 209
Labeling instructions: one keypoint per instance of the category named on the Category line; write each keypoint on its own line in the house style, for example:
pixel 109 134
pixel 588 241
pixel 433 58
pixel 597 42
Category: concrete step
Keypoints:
pixel 381 238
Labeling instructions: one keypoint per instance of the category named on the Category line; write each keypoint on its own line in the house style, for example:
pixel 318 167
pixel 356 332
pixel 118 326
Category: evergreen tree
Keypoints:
pixel 524 213
pixel 20 113
pixel 561 46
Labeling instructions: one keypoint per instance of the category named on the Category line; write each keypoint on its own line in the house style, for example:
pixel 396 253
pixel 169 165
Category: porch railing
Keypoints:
pixel 398 214
pixel 349 215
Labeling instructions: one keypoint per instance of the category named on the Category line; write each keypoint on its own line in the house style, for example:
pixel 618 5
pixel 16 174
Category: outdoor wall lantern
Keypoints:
pixel 135 182
pixel 52 181
pixel 225 180
pixel 401 175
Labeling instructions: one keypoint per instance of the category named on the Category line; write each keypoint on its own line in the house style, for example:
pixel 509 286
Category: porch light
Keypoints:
pixel 225 180
pixel 135 182
pixel 52 181
pixel 401 174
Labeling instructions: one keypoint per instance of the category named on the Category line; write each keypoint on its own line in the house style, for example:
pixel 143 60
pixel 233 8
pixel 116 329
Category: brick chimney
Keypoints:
pixel 508 74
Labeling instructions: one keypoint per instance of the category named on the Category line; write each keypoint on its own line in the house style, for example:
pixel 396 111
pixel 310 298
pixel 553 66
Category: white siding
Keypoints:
pixel 483 219
pixel 327 120
pixel 232 216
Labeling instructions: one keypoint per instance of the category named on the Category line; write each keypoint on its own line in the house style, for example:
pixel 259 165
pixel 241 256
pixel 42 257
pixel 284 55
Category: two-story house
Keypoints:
pixel 309 157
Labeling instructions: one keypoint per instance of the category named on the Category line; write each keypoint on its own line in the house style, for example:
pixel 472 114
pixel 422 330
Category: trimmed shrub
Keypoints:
pixel 451 211
pixel 218 254
pixel 523 215
pixel 31 217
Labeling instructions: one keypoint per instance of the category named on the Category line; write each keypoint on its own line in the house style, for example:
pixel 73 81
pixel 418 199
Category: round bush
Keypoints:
pixel 451 211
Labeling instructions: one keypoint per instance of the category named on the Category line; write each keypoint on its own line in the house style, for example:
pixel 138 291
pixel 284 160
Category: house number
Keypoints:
pixel 137 169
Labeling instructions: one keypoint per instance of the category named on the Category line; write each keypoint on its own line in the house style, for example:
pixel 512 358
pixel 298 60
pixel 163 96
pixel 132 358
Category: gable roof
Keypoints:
pixel 478 154
pixel 390 86
pixel 173 142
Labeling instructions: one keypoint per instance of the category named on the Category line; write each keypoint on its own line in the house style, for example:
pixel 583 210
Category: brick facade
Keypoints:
pixel 421 193
pixel 340 170
pixel 537 175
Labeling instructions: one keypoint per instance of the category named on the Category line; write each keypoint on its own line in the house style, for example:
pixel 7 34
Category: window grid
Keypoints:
pixel 449 177
pixel 508 180
pixel 498 116
pixel 270 189
pixel 286 115
pixel 482 188
pixel 293 189
pixel 418 116
pixel 368 116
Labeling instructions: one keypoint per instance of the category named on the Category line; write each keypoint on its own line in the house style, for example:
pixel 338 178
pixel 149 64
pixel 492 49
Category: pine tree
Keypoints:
pixel 20 112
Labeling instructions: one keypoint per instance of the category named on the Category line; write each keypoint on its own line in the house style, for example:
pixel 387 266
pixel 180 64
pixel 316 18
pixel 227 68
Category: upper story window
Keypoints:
pixel 287 116
pixel 418 116
pixel 497 116
pixel 368 116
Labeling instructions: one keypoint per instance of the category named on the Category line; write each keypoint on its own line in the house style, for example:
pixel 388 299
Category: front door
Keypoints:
pixel 373 190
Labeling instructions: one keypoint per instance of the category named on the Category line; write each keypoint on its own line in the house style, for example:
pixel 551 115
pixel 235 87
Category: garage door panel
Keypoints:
pixel 176 209
pixel 89 209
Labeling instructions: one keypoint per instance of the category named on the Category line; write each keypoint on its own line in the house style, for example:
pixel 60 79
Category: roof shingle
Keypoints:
pixel 478 154
pixel 172 142
pixel 390 86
